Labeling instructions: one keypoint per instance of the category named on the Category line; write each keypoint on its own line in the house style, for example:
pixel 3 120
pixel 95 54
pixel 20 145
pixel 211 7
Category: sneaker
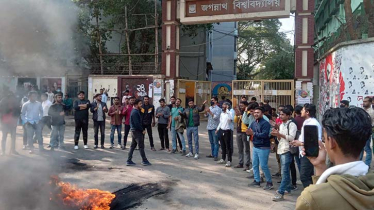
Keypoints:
pixel 111 146
pixel 130 163
pixel 278 197
pixel 184 153
pixel 254 184
pixel 221 161
pixel 287 192
pixel 246 168
pixel 95 147
pixel 216 159
pixel 262 179
pixel 162 149
pixel 294 187
pixel 209 156
pixel 76 147
pixel 277 175
pixel 118 146
pixel 24 147
pixel 124 147
pixel 268 186
pixel 49 146
pixel 228 164
pixel 153 149
pixel 85 146
pixel 31 152
pixel 196 156
pixel 102 147
pixel 173 151
pixel 146 163
pixel 189 154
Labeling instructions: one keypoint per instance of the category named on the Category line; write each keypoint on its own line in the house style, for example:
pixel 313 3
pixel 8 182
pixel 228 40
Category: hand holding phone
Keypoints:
pixel 311 140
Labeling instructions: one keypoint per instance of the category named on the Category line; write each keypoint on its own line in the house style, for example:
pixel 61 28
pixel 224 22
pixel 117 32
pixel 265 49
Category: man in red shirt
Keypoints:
pixel 126 112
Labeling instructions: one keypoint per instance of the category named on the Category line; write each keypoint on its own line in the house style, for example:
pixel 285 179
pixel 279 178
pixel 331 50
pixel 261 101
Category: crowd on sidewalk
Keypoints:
pixel 344 136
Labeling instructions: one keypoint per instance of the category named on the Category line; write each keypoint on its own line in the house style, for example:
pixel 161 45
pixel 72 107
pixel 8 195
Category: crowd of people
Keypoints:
pixel 260 130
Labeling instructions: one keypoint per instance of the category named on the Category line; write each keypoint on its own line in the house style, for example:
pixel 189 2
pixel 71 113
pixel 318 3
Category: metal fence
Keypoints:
pixel 278 92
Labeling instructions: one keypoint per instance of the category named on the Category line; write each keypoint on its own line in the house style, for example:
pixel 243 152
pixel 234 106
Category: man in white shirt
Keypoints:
pixel 46 120
pixel 306 168
pixel 368 108
pixel 285 134
pixel 125 96
pixel 50 95
pixel 224 126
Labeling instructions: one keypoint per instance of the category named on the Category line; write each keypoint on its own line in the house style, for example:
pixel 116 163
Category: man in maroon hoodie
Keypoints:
pixel 126 112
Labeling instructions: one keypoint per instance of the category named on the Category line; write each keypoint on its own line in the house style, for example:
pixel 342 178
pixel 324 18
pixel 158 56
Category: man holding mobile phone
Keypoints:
pixel 348 184
pixel 306 168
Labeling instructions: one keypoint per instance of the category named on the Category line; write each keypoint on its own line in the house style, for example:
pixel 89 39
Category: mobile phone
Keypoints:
pixel 311 140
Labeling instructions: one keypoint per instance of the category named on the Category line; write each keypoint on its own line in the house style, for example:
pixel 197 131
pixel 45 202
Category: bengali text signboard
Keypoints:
pixel 204 11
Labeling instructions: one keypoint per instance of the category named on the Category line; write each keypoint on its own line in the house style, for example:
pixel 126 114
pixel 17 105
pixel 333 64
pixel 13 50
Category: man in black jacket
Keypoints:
pixel 81 107
pixel 57 114
pixel 138 132
pixel 148 112
pixel 99 108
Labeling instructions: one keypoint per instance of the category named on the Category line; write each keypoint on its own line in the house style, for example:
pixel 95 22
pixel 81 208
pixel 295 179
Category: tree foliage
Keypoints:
pixel 259 42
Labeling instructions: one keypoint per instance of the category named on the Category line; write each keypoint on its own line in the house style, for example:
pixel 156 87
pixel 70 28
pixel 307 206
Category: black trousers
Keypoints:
pixel 81 125
pixel 226 144
pixel 164 136
pixel 99 125
pixel 127 131
pixel 11 130
pixel 150 136
pixel 306 171
pixel 293 170
pixel 137 140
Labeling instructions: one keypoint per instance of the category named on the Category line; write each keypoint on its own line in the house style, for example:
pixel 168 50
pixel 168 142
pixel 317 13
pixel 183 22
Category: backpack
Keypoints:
pixel 293 150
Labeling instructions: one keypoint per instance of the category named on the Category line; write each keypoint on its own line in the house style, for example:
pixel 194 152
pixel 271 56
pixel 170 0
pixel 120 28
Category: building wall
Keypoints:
pixel 346 74
pixel 222 51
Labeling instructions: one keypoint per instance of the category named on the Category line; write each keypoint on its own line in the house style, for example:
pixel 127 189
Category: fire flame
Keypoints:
pixel 90 199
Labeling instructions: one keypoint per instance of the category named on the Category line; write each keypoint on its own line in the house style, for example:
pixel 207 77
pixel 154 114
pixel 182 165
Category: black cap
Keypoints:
pixel 345 102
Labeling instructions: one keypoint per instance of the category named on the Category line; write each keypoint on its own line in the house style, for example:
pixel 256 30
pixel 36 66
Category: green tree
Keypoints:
pixel 256 43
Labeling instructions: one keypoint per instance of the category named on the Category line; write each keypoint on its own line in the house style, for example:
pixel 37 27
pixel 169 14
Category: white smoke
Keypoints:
pixel 36 36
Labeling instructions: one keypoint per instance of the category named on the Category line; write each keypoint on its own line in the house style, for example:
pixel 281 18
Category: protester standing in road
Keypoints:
pixel 241 137
pixel 31 115
pixel 99 108
pixel 192 116
pixel 163 114
pixel 50 94
pixel 285 134
pixel 225 130
pixel 213 113
pixel 9 115
pixel 260 130
pixel 137 134
pixel 368 108
pixel 57 114
pixel 81 107
pixel 46 120
pixel 68 102
pixel 126 112
pixel 171 106
pixel 306 168
pixel 148 114
pixel 175 112
pixel 115 113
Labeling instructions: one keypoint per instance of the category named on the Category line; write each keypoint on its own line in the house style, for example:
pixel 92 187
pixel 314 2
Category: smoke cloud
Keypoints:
pixel 36 36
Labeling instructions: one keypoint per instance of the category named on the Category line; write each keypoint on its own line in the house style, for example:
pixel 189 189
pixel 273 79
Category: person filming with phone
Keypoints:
pixel 314 132
pixel 348 184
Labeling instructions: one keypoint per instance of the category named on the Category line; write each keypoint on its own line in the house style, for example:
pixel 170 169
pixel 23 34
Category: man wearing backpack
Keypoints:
pixel 285 134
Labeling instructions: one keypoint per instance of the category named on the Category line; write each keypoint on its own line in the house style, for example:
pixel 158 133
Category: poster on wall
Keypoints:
pixel 346 74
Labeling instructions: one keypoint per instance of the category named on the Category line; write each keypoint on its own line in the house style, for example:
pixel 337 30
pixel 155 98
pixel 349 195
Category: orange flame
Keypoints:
pixel 91 199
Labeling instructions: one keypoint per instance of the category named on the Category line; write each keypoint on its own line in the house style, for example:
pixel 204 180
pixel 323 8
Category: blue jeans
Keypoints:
pixel 368 153
pixel 261 157
pixel 213 139
pixel 174 139
pixel 119 131
pixel 57 136
pixel 286 159
pixel 195 132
